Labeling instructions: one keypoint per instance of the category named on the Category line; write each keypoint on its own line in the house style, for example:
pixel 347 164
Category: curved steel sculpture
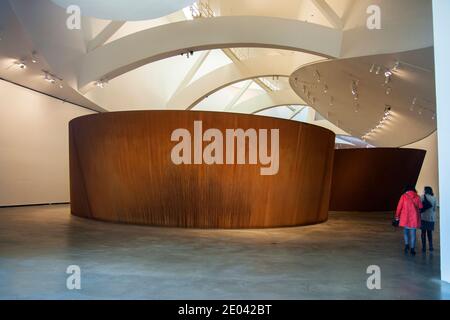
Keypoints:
pixel 373 179
pixel 121 170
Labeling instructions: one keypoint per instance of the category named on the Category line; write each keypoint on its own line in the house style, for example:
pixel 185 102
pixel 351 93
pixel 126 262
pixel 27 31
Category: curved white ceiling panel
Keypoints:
pixel 357 92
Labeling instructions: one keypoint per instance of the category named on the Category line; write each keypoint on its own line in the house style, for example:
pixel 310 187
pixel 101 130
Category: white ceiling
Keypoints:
pixel 126 10
pixel 15 46
pixel 28 26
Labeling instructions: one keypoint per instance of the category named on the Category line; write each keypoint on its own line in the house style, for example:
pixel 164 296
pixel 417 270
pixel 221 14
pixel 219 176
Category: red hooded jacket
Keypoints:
pixel 408 210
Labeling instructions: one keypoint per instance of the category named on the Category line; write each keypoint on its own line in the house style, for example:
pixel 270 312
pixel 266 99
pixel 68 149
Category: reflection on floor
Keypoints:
pixel 327 261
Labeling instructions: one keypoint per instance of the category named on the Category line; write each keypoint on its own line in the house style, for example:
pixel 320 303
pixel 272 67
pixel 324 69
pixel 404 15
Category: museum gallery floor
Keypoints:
pixel 324 261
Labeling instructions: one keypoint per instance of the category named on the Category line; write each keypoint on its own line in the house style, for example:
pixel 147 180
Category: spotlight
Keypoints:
pixel 48 77
pixel 331 101
pixel 318 76
pixel 101 83
pixel 372 68
pixel 354 87
pixel 34 58
pixel 388 73
pixel 21 64
pixel 396 65
pixel 387 80
pixel 378 70
pixel 188 53
pixel 381 123
pixel 413 104
pixel 325 89
pixel 388 90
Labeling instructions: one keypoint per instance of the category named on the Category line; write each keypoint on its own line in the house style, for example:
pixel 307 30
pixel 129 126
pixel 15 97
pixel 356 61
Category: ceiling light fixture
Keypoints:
pixel 34 58
pixel 386 117
pixel 396 65
pixel 413 104
pixel 101 83
pixel 388 91
pixel 354 88
pixel 317 74
pixel 188 53
pixel 49 77
pixel 21 64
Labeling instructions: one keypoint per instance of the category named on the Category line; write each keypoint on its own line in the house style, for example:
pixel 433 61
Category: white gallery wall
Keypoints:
pixel 429 173
pixel 441 14
pixel 34 148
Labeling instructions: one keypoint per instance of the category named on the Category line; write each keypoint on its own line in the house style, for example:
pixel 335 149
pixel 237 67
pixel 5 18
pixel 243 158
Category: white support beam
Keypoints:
pixel 106 34
pixel 232 56
pixel 328 13
pixel 236 98
pixel 311 115
pixel 297 112
pixel 191 73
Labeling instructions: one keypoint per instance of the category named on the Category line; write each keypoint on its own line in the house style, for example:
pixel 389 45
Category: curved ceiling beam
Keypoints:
pixel 140 48
pixel 231 73
pixel 269 100
pixel 280 98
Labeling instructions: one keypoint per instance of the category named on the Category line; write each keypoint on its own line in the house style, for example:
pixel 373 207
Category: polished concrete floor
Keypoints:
pixel 327 261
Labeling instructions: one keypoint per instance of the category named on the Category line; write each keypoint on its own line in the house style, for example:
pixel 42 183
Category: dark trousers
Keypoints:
pixel 424 235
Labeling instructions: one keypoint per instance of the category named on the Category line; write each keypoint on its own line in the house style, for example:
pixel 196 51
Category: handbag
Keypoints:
pixel 426 204
pixel 395 222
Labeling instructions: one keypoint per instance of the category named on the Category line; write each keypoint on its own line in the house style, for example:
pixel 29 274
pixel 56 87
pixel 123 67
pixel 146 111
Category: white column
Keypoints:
pixel 441 21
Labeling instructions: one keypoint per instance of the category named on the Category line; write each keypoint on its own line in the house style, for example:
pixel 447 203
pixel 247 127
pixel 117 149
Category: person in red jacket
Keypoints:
pixel 408 215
